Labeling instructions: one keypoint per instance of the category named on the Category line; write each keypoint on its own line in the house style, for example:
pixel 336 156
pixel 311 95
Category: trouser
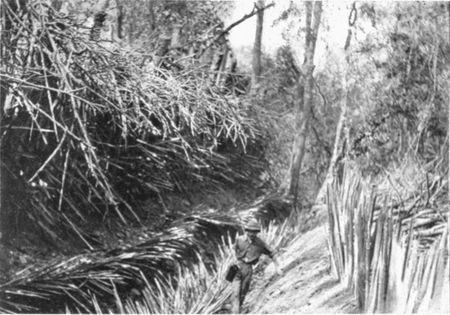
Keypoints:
pixel 240 286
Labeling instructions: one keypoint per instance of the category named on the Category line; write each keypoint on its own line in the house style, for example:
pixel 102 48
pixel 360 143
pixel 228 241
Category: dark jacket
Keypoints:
pixel 250 252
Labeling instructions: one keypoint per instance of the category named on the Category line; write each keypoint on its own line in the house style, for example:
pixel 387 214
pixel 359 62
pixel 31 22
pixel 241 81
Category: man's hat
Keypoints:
pixel 252 225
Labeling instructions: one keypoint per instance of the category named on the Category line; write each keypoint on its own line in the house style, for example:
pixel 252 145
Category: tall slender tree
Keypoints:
pixel 256 61
pixel 448 10
pixel 120 18
pixel 305 96
pixel 339 142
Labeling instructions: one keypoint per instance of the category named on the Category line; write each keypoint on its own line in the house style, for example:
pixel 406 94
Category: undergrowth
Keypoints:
pixel 199 289
pixel 88 131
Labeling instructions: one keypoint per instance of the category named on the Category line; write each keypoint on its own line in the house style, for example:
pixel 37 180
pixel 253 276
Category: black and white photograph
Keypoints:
pixel 224 157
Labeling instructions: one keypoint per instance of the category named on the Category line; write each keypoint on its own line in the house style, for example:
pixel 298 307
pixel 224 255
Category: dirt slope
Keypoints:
pixel 307 285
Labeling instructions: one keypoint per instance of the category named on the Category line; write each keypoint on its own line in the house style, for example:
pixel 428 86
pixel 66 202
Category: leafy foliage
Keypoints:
pixel 405 94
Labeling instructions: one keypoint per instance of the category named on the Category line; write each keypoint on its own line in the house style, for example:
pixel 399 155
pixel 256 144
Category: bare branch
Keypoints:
pixel 232 25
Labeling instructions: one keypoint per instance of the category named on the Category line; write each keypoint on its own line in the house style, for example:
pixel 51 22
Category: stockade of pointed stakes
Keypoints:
pixel 392 254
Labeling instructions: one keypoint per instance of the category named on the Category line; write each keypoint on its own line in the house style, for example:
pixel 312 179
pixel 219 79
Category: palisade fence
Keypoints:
pixel 377 253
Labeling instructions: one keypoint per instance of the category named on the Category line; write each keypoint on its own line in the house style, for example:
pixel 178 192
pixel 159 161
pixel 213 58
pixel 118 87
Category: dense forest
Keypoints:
pixel 137 140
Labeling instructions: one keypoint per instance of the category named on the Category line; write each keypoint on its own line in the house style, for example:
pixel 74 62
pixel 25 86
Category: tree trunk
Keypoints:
pixel 215 64
pixel 220 79
pixel 305 100
pixel 131 26
pixel 337 149
pixel 100 9
pixel 448 87
pixel 338 144
pixel 256 62
pixel 120 19
pixel 151 12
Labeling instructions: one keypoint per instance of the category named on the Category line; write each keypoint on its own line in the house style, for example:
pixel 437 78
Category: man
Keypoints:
pixel 248 248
